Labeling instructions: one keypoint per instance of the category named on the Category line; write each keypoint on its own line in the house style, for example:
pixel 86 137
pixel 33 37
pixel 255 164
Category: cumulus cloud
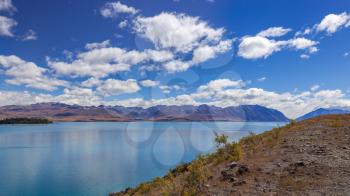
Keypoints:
pixel 291 104
pixel 91 82
pixel 123 24
pixel 100 62
pixel 183 35
pixel 221 84
pixel 302 43
pixel 112 9
pixel 176 31
pixel 166 89
pixel 149 83
pixel 206 52
pixel 117 87
pixel 22 98
pixel 78 95
pixel 274 32
pixel 20 72
pixel 333 22
pixel 255 47
pixel 176 66
pixel 6 26
pixel 98 45
pixel 221 93
pixel 7 6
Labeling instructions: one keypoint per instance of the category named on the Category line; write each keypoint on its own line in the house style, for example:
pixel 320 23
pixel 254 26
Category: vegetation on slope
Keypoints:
pixel 191 178
pixel 299 159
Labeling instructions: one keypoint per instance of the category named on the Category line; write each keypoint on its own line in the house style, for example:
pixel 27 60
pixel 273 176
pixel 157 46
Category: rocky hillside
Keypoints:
pixel 311 157
pixel 63 112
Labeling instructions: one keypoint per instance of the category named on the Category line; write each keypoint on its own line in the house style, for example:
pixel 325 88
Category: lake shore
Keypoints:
pixel 304 158
pixel 10 121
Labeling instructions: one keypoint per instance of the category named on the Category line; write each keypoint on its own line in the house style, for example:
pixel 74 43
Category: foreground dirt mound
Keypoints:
pixel 311 157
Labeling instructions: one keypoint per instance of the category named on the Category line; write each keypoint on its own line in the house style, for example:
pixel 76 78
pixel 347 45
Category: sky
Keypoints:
pixel 293 56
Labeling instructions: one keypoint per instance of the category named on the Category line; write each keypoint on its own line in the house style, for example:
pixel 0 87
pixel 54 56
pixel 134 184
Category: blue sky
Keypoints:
pixel 292 56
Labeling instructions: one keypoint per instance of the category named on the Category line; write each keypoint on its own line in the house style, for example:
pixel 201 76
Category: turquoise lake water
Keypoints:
pixel 96 158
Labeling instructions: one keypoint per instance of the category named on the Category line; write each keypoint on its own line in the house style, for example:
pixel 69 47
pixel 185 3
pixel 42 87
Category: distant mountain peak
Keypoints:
pixel 204 112
pixel 323 111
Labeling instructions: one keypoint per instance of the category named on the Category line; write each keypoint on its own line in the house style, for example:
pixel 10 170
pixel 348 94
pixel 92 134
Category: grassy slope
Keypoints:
pixel 299 158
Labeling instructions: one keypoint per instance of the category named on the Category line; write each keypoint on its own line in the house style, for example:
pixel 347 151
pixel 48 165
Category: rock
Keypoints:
pixel 227 175
pixel 233 179
pixel 243 169
pixel 299 164
pixel 239 183
pixel 232 165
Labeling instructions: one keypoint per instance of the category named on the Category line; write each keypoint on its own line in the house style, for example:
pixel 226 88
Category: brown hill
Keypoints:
pixel 64 112
pixel 311 157
pixel 59 112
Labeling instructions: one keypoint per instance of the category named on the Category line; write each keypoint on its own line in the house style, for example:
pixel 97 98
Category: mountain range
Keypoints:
pixel 64 112
pixel 323 111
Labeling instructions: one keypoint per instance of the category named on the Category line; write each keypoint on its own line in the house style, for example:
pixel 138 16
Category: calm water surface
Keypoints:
pixel 96 158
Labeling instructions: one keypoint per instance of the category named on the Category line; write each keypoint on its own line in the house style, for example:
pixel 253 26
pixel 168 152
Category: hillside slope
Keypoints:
pixel 321 112
pixel 64 112
pixel 311 157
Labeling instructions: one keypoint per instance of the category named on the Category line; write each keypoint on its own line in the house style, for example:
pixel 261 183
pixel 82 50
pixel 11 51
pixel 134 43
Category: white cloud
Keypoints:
pixel 262 79
pixel 179 32
pixel 117 87
pixel 274 32
pixel 22 98
pixel 176 66
pixel 258 47
pixel 98 45
pixel 149 83
pixel 175 37
pixel 206 52
pixel 305 56
pixel 333 22
pixel 30 35
pixel 222 94
pixel 302 43
pixel 123 24
pixel 166 89
pixel 112 9
pixel 91 82
pixel 7 6
pixel 315 87
pixel 6 26
pixel 100 62
pixel 10 61
pixel 306 31
pixel 291 104
pixel 29 74
pixel 346 54
pixel 221 84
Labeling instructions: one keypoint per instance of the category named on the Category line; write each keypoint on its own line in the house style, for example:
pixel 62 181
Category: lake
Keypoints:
pixel 96 158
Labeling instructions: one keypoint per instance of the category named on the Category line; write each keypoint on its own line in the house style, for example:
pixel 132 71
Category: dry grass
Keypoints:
pixel 293 183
